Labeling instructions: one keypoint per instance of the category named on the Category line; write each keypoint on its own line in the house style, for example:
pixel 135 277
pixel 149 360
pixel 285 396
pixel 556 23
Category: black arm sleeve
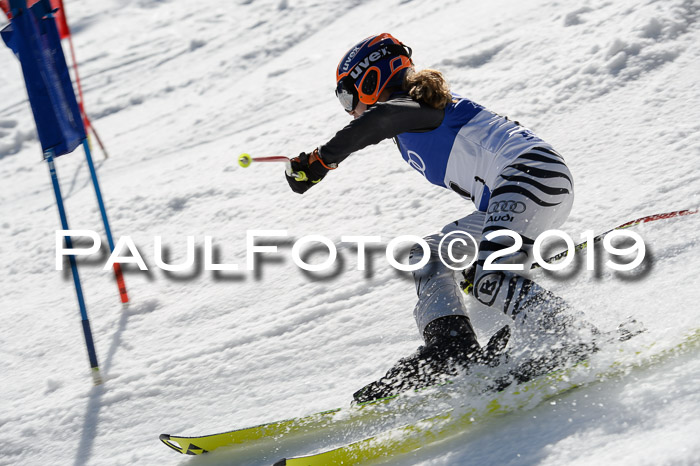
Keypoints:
pixel 381 121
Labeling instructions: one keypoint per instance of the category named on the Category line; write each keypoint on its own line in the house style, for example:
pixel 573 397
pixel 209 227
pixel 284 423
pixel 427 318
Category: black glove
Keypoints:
pixel 311 168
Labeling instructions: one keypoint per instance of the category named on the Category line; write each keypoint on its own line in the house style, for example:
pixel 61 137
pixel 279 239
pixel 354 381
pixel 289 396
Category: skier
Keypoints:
pixel 517 182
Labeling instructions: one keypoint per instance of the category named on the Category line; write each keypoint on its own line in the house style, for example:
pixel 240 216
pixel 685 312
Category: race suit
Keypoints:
pixel 516 181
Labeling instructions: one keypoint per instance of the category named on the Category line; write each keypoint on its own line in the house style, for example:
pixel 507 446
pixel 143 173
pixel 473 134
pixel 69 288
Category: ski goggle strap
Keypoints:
pixel 346 92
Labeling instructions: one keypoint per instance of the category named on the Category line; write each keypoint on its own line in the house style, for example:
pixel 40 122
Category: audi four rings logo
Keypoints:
pixel 515 207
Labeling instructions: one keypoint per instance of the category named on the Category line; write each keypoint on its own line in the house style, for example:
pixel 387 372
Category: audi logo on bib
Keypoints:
pixel 514 207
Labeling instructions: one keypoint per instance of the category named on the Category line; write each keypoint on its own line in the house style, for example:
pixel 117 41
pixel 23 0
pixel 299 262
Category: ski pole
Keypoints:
pixel 244 160
pixel 649 218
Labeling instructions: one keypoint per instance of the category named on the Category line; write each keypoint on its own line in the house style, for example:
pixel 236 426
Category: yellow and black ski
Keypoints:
pixel 409 438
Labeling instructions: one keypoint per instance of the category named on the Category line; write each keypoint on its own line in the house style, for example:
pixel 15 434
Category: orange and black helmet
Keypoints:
pixel 367 68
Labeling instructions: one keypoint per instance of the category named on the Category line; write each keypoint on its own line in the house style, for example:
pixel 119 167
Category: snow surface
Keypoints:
pixel 177 90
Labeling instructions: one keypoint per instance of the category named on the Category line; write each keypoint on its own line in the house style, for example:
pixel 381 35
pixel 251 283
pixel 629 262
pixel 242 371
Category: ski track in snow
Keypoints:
pixel 177 93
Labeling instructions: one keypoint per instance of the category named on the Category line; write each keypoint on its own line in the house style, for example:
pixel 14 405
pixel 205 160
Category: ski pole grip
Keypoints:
pixel 299 176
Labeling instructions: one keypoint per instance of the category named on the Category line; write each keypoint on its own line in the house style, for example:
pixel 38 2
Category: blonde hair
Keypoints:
pixel 428 86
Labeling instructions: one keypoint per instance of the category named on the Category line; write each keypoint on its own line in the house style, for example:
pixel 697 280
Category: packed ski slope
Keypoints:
pixel 177 90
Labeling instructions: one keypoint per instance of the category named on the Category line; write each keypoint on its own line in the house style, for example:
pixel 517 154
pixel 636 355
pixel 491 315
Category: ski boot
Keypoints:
pixel 450 345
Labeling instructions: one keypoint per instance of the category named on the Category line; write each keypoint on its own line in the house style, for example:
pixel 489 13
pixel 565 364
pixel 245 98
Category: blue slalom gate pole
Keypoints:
pixel 92 355
pixel 117 268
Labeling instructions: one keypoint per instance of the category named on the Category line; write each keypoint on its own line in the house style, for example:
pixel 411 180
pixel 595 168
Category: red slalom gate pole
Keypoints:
pixel 86 120
pixel 119 276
